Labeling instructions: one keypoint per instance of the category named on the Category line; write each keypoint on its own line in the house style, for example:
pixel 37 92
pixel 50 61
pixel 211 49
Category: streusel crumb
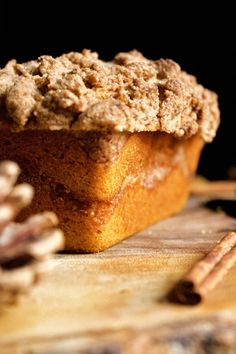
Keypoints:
pixel 78 91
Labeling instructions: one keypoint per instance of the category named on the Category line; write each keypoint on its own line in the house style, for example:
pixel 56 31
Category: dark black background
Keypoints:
pixel 200 36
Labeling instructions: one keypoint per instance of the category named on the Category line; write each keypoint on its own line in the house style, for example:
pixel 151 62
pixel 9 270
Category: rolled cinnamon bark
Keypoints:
pixel 213 189
pixel 207 273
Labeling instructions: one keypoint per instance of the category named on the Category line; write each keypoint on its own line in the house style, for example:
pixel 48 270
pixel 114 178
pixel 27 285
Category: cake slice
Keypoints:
pixel 111 147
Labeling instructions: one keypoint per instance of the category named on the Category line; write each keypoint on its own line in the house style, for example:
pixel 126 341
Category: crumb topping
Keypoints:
pixel 78 91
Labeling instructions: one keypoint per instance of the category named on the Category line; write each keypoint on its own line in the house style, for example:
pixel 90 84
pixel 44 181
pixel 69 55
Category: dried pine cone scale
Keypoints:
pixel 9 172
pixel 24 247
pixel 12 198
pixel 22 238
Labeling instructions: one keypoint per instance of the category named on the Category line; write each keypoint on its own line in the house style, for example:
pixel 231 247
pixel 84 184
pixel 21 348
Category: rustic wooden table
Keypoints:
pixel 115 302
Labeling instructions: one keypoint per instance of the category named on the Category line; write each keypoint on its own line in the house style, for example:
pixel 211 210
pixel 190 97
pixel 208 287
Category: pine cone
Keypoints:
pixel 24 247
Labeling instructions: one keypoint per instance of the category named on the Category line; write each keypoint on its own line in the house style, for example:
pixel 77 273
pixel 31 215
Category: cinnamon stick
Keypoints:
pixel 207 273
pixel 213 189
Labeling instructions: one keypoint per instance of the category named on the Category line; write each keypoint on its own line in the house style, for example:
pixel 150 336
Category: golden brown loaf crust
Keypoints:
pixel 100 202
pixel 109 146
pixel 78 91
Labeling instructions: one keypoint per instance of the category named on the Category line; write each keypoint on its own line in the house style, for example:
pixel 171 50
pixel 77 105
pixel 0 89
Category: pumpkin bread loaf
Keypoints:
pixel 111 147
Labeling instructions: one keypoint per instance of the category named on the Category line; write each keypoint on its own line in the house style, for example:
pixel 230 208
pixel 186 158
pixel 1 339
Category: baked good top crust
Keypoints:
pixel 80 92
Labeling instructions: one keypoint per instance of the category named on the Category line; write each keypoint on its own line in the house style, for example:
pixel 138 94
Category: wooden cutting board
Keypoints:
pixel 115 302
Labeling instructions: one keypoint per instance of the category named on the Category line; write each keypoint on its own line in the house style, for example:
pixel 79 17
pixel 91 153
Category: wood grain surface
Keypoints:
pixel 115 302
